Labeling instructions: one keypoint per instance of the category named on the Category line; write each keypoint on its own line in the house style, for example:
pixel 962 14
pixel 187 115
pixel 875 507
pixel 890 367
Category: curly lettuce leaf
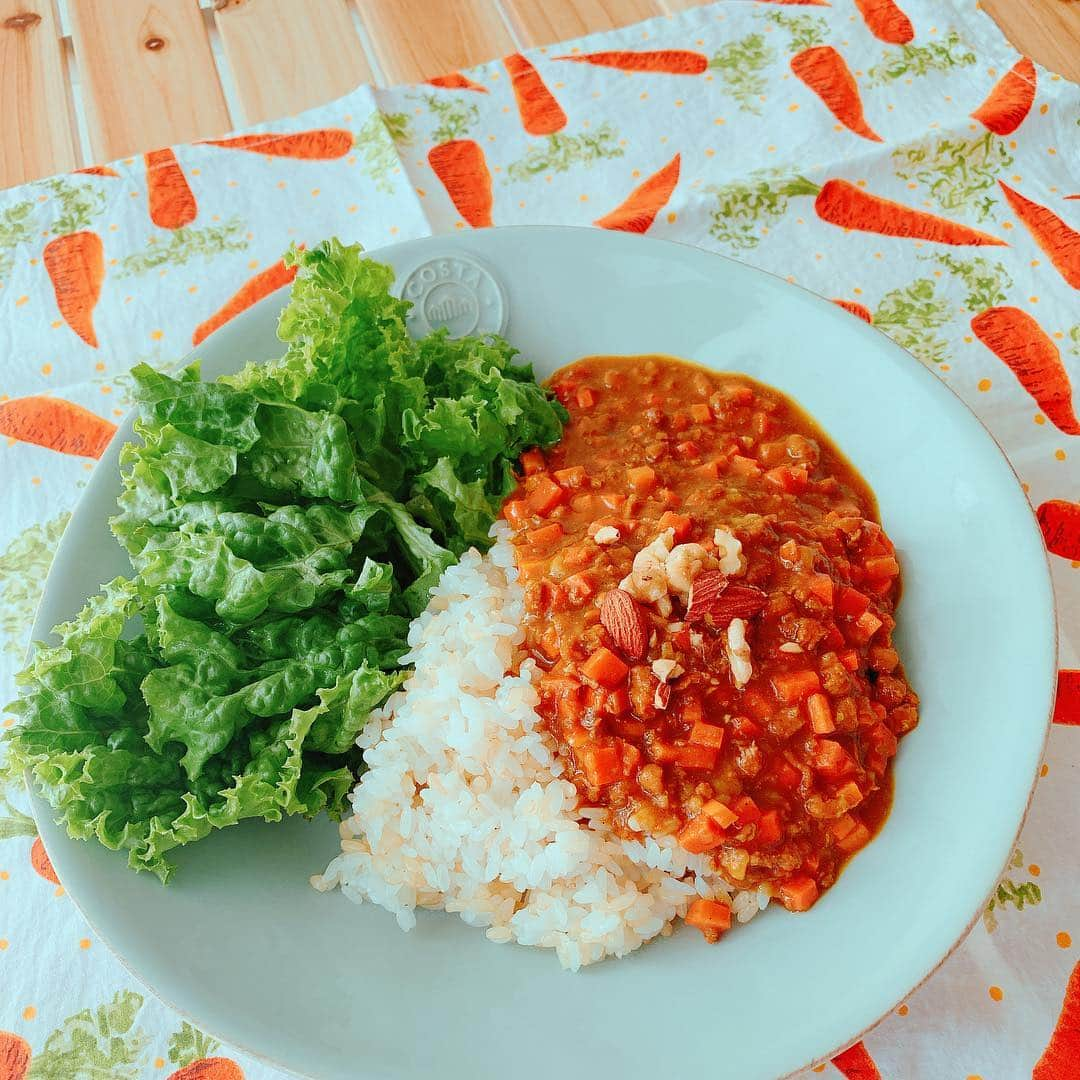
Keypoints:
pixel 282 525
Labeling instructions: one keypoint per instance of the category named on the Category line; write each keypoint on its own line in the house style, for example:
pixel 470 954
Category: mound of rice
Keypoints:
pixel 463 806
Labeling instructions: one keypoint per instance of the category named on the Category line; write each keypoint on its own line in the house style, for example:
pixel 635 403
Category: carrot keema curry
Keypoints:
pixel 710 597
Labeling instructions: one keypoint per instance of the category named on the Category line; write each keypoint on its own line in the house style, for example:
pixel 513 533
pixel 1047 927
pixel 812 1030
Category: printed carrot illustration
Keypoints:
pixel 1067 702
pixel 860 311
pixel 1058 1061
pixel 886 21
pixel 211 1068
pixel 456 81
pixel 658 61
pixel 857 1064
pixel 826 72
pixel 75 264
pixel 462 169
pixel 642 205
pixel 56 424
pixel 251 292
pixel 41 862
pixel 1059 242
pixel 1016 339
pixel 97 170
pixel 842 203
pixel 540 113
pixel 1060 524
pixel 172 202
pixel 320 144
pixel 14 1056
pixel 807 3
pixel 1007 105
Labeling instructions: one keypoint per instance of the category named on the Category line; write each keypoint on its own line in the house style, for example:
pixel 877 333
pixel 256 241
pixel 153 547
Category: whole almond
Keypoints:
pixel 624 620
pixel 737 602
pixel 704 592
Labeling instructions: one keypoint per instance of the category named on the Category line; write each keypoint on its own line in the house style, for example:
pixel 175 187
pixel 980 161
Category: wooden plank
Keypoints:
pixel 148 75
pixel 1046 30
pixel 416 39
pixel 541 23
pixel 312 51
pixel 37 130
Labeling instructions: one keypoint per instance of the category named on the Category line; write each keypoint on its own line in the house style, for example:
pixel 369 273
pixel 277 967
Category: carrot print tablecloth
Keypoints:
pixel 906 163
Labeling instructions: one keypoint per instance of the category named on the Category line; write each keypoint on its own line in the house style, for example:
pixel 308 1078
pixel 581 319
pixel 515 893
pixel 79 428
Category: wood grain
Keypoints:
pixel 541 23
pixel 148 74
pixel 36 126
pixel 416 39
pixel 1046 30
pixel 311 49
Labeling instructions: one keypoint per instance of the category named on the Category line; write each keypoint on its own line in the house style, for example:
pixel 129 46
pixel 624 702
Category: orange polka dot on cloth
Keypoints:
pixel 1063 939
pixel 996 993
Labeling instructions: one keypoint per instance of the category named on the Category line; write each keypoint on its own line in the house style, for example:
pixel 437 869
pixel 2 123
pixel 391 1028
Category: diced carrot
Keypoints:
pixel 707 734
pixel 831 760
pixel 864 627
pixel 746 809
pixel 586 399
pixel 610 702
pixel 546 534
pixel 577 556
pixel 696 757
pixel 557 686
pixel 820 712
pixel 701 412
pixel 545 496
pixel 798 893
pixel 792 686
pixel 668 499
pixel 613 500
pixel 821 586
pixel 788 552
pixel 724 815
pixel 679 522
pixel 786 775
pixel 579 588
pixel 602 765
pixel 688 449
pixel 834 639
pixel 701 833
pixel 532 461
pixel 738 394
pixel 569 710
pixel 842 826
pixel 574 477
pixel 629 729
pixel 642 479
pixel 549 642
pixel 858 837
pixel 881 566
pixel 791 479
pixel 605 668
pixel 744 466
pixel 850 659
pixel 711 469
pixel 768 828
pixel 630 755
pixel 851 602
pixel 745 728
pixel 690 706
pixel 516 512
pixel 709 915
pixel 851 793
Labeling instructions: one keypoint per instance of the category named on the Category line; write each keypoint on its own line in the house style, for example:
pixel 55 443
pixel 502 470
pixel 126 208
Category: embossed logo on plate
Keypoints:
pixel 457 292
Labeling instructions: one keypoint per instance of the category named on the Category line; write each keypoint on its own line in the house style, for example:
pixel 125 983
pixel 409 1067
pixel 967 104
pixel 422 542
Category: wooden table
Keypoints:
pixel 85 81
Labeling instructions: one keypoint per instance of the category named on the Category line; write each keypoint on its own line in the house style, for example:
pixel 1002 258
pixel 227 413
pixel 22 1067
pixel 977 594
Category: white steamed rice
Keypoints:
pixel 463 807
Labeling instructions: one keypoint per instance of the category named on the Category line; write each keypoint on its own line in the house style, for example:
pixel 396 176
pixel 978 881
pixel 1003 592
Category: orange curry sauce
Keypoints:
pixel 710 598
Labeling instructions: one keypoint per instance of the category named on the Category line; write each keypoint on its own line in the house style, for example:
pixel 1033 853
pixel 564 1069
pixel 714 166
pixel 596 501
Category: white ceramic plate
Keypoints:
pixel 244 946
